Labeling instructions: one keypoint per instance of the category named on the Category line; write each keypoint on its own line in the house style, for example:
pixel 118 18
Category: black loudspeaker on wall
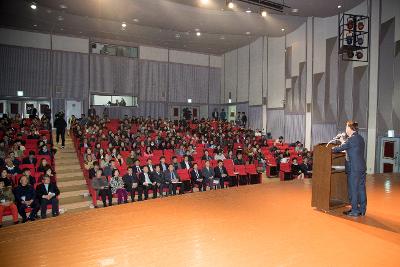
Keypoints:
pixel 354 37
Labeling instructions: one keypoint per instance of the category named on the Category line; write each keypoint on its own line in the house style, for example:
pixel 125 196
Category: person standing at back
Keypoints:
pixel 60 124
pixel 354 147
pixel 244 119
pixel 214 114
pixel 222 115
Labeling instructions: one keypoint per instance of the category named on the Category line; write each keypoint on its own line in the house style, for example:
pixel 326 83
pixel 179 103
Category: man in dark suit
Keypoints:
pixel 175 163
pixel 25 196
pixel 163 165
pixel 158 177
pixel 185 164
pixel 147 184
pixel 131 184
pixel 221 173
pixel 136 168
pixel 354 147
pixel 150 165
pixel 47 194
pixel 30 159
pixel 172 177
pixel 197 178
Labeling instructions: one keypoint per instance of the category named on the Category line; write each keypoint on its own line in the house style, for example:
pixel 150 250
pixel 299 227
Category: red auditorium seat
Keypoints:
pixel 241 171
pixel 285 172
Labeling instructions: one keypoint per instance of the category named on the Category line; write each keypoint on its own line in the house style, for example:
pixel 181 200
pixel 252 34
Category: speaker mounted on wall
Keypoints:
pixel 354 37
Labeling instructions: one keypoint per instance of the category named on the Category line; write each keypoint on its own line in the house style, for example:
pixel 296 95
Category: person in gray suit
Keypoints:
pixel 209 176
pixel 172 179
pixel 356 168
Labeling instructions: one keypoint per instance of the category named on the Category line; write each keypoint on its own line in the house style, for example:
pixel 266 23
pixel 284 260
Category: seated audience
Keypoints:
pixel 158 177
pixel 131 184
pixel 197 178
pixel 25 196
pixel 43 166
pixel 221 174
pixel 172 180
pixel 27 172
pixel 209 176
pixel 220 155
pixel 147 184
pixel 117 187
pixel 186 164
pixel 47 193
pixel 239 160
pixel 102 187
pixel 30 159
pixel 6 179
pixel 7 203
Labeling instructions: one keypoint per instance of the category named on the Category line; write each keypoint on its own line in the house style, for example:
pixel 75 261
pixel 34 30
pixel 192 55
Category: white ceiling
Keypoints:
pixel 164 23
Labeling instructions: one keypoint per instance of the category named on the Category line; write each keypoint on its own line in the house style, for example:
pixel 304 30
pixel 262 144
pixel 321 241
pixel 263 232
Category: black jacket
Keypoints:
pixel 41 190
pixel 129 180
pixel 218 173
pixel 60 123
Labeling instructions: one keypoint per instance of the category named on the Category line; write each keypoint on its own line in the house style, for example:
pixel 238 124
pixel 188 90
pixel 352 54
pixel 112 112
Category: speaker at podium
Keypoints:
pixel 329 183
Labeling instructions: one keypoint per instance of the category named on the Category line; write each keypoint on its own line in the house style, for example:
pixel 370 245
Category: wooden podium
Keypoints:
pixel 329 185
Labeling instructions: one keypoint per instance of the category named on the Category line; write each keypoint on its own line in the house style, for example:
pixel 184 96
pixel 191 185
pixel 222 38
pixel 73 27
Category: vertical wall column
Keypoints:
pixel 375 20
pixel 309 80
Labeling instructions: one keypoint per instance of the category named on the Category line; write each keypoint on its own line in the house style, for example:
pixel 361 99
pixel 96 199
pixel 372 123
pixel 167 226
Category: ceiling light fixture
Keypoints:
pixel 295 10
pixel 62 6
pixel 248 33
pixel 60 18
pixel 263 4
pixel 231 4
pixel 123 25
pixel 198 33
pixel 283 29
pixel 339 6
pixel 264 13
pixel 204 2
pixel 34 25
pixel 33 5
pixel 135 20
pixel 248 11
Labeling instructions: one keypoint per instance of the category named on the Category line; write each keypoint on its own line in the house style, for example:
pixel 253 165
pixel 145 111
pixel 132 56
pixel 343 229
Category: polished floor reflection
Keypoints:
pixel 271 224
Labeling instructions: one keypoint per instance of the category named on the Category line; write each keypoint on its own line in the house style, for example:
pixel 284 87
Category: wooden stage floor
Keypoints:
pixel 261 225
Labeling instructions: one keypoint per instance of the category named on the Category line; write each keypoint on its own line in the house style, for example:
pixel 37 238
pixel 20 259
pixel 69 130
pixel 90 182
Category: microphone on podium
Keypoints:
pixel 337 138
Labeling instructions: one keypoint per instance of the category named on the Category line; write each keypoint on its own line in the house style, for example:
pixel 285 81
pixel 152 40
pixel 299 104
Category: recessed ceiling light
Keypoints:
pixel 283 29
pixel 197 30
pixel 62 6
pixel 339 6
pixel 198 33
pixel 33 5
pixel 295 10
pixel 204 2
pixel 264 13
pixel 248 33
pixel 177 35
pixel 123 24
pixel 60 18
pixel 248 11
pixel 222 37
pixel 231 5
pixel 135 20
pixel 34 25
